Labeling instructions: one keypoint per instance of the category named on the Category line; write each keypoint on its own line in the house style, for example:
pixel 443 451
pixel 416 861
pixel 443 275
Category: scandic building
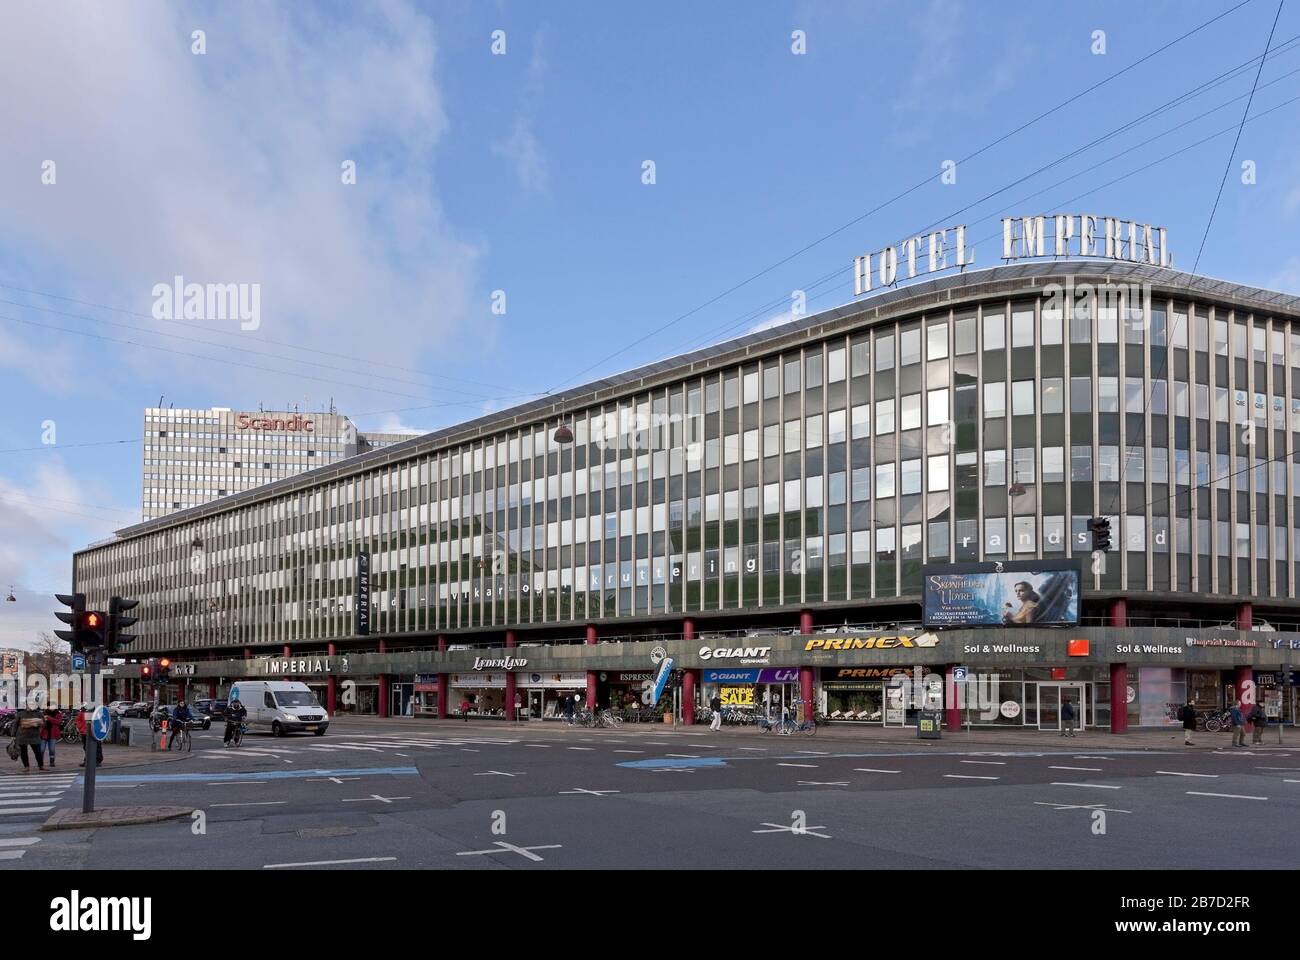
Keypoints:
pixel 731 506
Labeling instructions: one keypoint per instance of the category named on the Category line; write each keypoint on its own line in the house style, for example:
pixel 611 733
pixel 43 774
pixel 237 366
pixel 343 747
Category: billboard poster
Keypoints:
pixel 1022 593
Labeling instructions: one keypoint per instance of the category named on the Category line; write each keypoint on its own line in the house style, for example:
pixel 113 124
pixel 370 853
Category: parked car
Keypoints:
pixel 140 709
pixel 216 709
pixel 118 708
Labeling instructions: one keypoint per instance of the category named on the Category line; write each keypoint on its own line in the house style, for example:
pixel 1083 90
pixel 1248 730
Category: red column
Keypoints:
pixel 805 621
pixel 806 690
pixel 688 628
pixel 383 694
pixel 1119 612
pixel 1245 615
pixel 591 634
pixel 248 653
pixel 442 680
pixel 952 718
pixel 331 687
pixel 1246 696
pixel 591 690
pixel 688 696
pixel 382 646
pixel 1119 698
pixel 287 654
pixel 511 641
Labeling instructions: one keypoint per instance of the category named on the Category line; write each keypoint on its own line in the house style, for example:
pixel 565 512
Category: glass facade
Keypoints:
pixel 828 471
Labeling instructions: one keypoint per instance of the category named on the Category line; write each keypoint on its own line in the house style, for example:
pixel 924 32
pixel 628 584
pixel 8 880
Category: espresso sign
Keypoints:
pixel 363 594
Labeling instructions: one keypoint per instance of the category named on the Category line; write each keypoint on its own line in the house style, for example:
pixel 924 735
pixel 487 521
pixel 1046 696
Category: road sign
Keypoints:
pixel 99 722
pixel 959 674
pixel 78 662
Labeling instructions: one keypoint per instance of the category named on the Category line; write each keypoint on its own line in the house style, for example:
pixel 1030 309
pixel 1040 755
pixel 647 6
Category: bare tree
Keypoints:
pixel 50 657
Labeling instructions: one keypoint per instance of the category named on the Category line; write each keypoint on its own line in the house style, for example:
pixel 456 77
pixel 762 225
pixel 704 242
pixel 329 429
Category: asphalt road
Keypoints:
pixel 486 797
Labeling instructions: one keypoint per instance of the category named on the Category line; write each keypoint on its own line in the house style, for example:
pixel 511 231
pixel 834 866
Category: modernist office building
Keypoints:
pixel 192 457
pixel 796 477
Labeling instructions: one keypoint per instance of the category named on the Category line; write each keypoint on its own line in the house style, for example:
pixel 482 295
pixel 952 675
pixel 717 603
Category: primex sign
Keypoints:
pixel 1057 235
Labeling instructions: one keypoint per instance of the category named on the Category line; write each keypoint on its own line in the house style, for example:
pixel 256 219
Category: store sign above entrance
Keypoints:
pixel 742 654
pixel 1057 235
pixel 1220 642
pixel 499 663
pixel 300 665
pixel 871 643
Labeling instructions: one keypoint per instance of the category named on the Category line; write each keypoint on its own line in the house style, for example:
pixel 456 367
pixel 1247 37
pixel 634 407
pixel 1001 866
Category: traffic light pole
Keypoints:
pixel 88 794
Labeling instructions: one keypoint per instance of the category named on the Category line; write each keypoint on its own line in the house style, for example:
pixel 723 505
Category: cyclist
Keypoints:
pixel 235 714
pixel 180 716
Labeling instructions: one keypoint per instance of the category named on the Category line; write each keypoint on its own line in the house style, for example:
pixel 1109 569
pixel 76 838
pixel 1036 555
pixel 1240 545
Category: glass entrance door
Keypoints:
pixel 1049 706
pixel 1050 698
pixel 535 704
pixel 398 697
pixel 895 706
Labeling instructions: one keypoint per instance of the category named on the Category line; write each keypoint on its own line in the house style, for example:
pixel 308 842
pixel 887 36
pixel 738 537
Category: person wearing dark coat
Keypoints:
pixel 29 735
pixel 1188 715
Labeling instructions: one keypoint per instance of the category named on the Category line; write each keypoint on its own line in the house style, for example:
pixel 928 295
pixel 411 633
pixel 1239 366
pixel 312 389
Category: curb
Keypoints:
pixel 70 819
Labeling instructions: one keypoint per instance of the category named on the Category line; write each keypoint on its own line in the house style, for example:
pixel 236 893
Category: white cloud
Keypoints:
pixel 521 147
pixel 1287 280
pixel 226 167
pixel 42 520
pixel 524 152
pixel 392 423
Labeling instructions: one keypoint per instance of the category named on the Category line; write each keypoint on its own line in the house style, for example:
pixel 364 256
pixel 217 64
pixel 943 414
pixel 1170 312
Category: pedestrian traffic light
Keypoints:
pixel 164 670
pixel 117 606
pixel 146 671
pixel 89 627
pixel 1100 529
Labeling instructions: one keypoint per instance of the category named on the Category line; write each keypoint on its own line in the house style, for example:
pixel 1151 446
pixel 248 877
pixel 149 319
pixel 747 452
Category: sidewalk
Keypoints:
pixel 978 738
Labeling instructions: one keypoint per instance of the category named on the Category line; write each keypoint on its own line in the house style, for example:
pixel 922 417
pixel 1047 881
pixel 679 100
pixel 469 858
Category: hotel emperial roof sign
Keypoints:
pixel 1070 235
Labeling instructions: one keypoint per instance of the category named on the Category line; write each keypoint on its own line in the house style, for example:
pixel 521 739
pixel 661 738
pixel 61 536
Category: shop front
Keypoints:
pixel 542 694
pixel 768 691
pixel 477 694
pixel 424 695
pixel 622 690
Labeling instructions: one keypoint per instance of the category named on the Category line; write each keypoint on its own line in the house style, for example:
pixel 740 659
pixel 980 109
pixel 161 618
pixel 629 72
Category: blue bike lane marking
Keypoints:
pixel 236 777
pixel 667 762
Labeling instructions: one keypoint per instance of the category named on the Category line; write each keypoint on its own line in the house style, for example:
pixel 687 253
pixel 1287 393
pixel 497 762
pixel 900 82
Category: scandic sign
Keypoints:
pixel 294 424
pixel 871 643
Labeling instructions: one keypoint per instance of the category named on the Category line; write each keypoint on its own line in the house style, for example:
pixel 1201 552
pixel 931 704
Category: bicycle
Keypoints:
pixel 237 735
pixel 1214 721
pixel 789 726
pixel 183 736
pixel 609 719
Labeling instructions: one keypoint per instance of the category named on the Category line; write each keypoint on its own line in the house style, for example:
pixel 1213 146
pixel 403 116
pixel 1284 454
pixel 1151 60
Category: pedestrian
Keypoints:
pixel 51 730
pixel 568 707
pixel 519 705
pixel 464 708
pixel 1067 718
pixel 29 735
pixel 1188 715
pixel 716 706
pixel 1259 720
pixel 1238 725
pixel 81 728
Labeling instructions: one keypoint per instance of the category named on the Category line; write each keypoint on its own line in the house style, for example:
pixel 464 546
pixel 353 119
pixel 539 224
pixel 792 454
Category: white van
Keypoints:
pixel 281 706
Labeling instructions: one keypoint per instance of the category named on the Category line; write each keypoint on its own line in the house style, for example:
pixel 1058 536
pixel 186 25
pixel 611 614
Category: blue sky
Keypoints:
pixel 522 173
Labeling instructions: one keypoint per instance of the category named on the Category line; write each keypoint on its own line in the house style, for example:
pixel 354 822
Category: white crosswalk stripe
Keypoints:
pixel 13 848
pixel 30 797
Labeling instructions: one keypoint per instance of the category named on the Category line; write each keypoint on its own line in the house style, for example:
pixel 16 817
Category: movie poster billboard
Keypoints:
pixel 1021 593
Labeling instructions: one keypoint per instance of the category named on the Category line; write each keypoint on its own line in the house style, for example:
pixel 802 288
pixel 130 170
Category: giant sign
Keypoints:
pixel 1070 234
pixel 295 424
pixel 1025 593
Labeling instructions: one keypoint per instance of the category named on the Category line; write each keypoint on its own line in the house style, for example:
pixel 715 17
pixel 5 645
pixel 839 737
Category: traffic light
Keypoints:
pixel 117 606
pixel 89 627
pixel 164 671
pixel 1100 529
pixel 146 671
